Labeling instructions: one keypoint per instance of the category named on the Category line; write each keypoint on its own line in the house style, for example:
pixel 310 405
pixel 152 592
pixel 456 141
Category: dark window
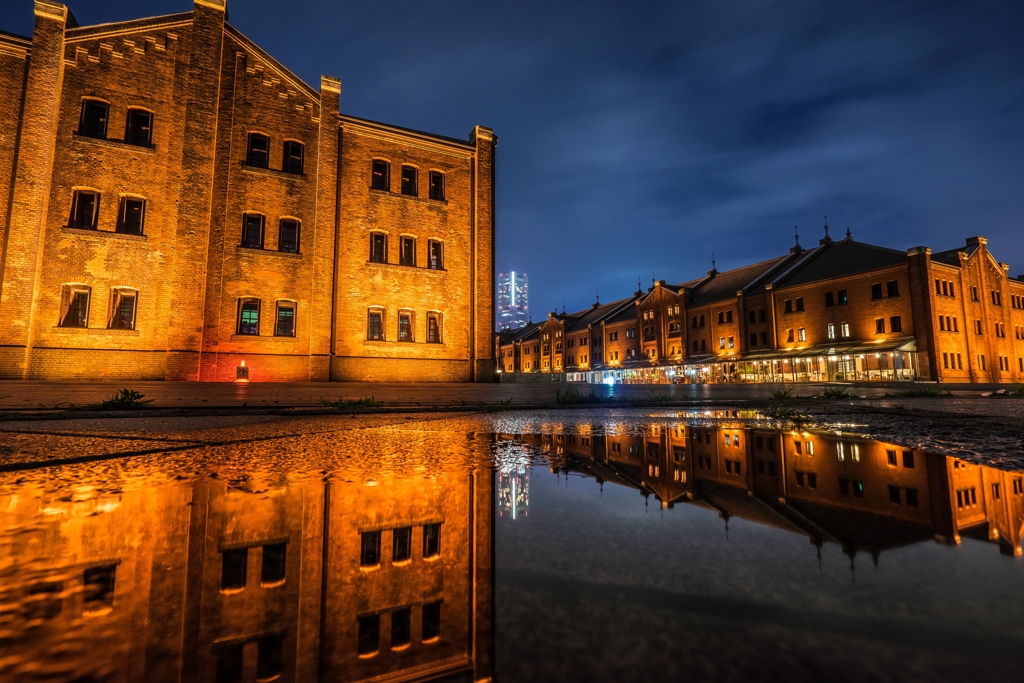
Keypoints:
pixel 229 664
pixel 912 497
pixel 369 549
pixel 93 123
pixel 433 330
pixel 407 253
pixel 753 338
pixel 233 566
pixel 908 459
pixel 752 316
pixel 376 326
pixel 99 586
pixel 431 540
pixel 721 317
pixel 761 315
pixel 410 186
pixel 84 210
pixel 895 324
pixel 858 488
pixel 268 658
pixel 764 338
pixel 829 299
pixel 369 634
pixel 131 215
pixel 843 300
pixel 380 178
pixel 401 544
pixel 285 325
pixel 844 486
pixel 788 306
pixel 75 306
pixel 294 153
pixel 288 236
pixel 249 316
pixel 404 327
pixel 890 458
pixel 812 480
pixel 138 129
pixel 800 304
pixel 431 621
pixel 401 627
pixel 876 290
pixel 892 288
pixel 122 309
pixel 894 494
pixel 259 150
pixel 728 316
pixel 437 185
pixel 700 322
pixel 378 247
pixel 799 478
pixel 252 231
pixel 436 254
pixel 879 325
pixel 789 335
pixel 273 568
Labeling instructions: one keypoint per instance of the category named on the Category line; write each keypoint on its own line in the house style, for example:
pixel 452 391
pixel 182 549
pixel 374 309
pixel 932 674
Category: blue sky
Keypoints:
pixel 644 137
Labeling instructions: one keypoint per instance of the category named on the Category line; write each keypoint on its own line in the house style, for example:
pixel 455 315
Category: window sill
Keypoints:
pixel 96 330
pixel 399 195
pixel 270 252
pixel 256 170
pixel 117 144
pixel 397 265
pixel 103 233
pixel 264 337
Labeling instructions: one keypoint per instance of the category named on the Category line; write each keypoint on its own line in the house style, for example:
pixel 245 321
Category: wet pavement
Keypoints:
pixel 609 544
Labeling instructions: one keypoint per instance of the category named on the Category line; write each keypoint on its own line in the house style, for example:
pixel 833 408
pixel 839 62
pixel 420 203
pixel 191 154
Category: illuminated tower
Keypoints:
pixel 513 300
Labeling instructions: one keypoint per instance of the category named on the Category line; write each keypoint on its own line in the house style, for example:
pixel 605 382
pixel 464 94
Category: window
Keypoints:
pixel 801 334
pixel 410 186
pixel 890 458
pixel 249 316
pixel 375 325
pixel 894 494
pixel 764 338
pixel 912 497
pixel 93 123
pixel 252 230
pixel 401 627
pixel 369 549
pixel 74 306
pixel 974 293
pixel 829 299
pixel 369 635
pixel 761 315
pixel 843 299
pixel 273 565
pixel 288 236
pixel 876 291
pixel 977 327
pixel 405 326
pixel 431 540
pixel 892 288
pixel 700 322
pixel 966 498
pixel 294 152
pixel 895 324
pixel 908 459
pixel 285 324
pixel 945 360
pixel 130 215
pixel 434 329
pixel 378 247
pixel 258 155
pixel 138 129
pixel 401 544
pixel 407 252
pixel 122 309
pixel 732 344
pixel 721 343
pixel 753 338
pixel 85 208
pixel 788 306
pixel 229 664
pixel 380 178
pixel 858 488
pixel 234 564
pixel 693 322
pixel 98 590
pixel 631 333
pixel 845 330
pixel 997 298
pixel 879 325
pixel 844 486
pixel 268 658
pixel 831 331
pixel 789 335
pixel 703 345
pixel 434 254
pixel 436 190
pixel 431 621
pixel 800 304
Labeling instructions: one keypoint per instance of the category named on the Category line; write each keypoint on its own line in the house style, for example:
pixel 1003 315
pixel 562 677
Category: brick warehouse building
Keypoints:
pixel 840 311
pixel 175 202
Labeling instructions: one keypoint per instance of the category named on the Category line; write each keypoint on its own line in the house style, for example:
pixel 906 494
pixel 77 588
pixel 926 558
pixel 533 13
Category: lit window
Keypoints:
pixel 93 122
pixel 294 153
pixel 285 324
pixel 138 128
pixel 831 331
pixel 131 215
pixel 845 329
pixel 801 334
pixel 249 316
pixel 843 300
pixel 85 206
pixel 258 155
pixel 74 306
pixel 122 309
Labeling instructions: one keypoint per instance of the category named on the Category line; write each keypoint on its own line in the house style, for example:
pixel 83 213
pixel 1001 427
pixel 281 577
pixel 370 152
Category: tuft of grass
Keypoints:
pixel 505 402
pixel 1017 390
pixel 350 403
pixel 569 393
pixel 919 393
pixel 126 399
pixel 836 392
pixel 661 398
pixel 782 394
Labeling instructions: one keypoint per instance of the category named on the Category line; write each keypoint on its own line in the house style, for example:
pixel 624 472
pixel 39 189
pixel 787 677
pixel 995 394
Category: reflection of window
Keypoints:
pixel 249 316
pixel 378 247
pixel 234 564
pixel 268 658
pixel 273 567
pixel 431 540
pixel 258 153
pixel 93 123
pixel 130 217
pixel 85 207
pixel 122 309
pixel 285 324
pixel 293 154
pixel 401 627
pixel 401 549
pixel 380 175
pixel 437 185
pixel 431 621
pixel 229 663
pixel 369 634
pixel 369 549
pixel 138 129
pixel 288 236
pixel 74 306
pixel 375 326
pixel 99 587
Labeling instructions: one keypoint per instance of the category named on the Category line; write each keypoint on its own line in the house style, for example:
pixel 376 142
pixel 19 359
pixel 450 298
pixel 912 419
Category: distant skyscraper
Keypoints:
pixel 513 301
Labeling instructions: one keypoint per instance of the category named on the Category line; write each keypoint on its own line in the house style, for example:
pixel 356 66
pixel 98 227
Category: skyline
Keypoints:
pixel 902 123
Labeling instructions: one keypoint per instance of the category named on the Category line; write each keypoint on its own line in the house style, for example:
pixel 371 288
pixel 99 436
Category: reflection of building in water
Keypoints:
pixel 513 480
pixel 217 582
pixel 865 495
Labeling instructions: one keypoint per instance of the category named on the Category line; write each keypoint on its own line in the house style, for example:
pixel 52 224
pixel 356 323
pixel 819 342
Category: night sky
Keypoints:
pixel 640 137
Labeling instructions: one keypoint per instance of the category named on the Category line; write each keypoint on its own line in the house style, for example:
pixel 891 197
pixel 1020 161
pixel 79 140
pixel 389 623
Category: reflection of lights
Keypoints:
pixel 513 462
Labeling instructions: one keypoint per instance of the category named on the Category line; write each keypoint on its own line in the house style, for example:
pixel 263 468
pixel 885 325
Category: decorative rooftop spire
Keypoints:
pixel 826 239
pixel 848 235
pixel 826 226
pixel 796 235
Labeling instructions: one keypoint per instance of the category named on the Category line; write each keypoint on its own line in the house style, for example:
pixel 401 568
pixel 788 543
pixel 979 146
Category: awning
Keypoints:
pixel 846 349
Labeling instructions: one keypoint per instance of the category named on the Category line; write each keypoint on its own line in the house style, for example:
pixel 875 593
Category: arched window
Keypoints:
pixel 93 121
pixel 258 151
pixel 123 301
pixel 252 230
pixel 378 247
pixel 138 128
pixel 294 153
pixel 284 325
pixel 74 305
pixel 288 236
pixel 249 316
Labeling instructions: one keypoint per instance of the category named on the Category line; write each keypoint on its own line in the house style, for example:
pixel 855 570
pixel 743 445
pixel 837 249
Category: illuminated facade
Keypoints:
pixel 513 300
pixel 840 311
pixel 175 202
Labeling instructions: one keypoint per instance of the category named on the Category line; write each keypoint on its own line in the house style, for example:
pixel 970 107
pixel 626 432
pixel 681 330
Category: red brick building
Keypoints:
pixel 840 311
pixel 175 201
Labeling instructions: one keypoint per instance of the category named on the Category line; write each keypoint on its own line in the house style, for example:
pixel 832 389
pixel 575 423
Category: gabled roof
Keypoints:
pixel 580 320
pixel 838 259
pixel 951 257
pixel 723 286
pixel 521 334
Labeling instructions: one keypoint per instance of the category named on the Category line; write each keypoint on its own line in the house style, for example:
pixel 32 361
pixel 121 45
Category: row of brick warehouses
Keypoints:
pixel 177 204
pixel 840 311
